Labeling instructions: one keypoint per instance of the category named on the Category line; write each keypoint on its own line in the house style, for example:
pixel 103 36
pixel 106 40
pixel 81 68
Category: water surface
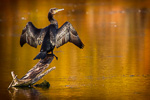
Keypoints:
pixel 113 65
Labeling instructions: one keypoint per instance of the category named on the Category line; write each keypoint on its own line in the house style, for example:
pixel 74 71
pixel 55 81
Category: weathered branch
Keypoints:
pixel 34 74
pixel 41 75
pixel 14 79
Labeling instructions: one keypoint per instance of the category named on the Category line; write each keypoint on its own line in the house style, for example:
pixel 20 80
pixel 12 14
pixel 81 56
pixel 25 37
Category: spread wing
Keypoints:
pixel 66 33
pixel 32 35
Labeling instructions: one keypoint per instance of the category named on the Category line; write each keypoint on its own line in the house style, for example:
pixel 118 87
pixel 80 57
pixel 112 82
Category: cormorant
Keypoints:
pixel 50 36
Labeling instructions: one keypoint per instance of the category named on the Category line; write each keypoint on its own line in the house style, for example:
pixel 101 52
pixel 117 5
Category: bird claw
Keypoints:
pixel 56 57
pixel 53 55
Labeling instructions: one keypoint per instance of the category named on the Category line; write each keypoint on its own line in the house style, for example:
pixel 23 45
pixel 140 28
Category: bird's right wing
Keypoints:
pixel 32 35
pixel 66 33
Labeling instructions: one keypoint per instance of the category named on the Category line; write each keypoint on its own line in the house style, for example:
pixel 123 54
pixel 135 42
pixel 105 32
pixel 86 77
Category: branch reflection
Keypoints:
pixel 26 92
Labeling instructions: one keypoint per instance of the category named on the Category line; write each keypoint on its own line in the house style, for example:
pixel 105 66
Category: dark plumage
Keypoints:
pixel 50 36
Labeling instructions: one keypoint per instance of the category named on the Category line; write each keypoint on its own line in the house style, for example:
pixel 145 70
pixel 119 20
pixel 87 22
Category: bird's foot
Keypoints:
pixel 53 55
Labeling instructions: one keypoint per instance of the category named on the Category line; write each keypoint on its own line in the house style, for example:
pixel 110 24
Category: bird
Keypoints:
pixel 51 36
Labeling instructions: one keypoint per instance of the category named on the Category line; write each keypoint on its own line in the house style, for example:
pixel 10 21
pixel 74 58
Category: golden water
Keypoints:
pixel 115 63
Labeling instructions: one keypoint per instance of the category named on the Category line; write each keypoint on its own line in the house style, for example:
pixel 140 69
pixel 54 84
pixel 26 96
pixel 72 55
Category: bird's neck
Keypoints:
pixel 51 19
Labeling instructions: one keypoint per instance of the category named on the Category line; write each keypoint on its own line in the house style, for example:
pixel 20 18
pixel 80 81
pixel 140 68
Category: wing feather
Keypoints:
pixel 67 33
pixel 32 35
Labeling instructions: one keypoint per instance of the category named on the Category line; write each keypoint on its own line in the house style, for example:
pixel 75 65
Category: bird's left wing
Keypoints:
pixel 66 33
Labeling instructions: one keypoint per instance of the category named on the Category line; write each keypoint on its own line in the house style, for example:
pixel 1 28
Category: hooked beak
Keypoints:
pixel 59 10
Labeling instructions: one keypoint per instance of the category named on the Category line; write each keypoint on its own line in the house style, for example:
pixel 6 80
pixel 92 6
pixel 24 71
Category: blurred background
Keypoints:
pixel 114 64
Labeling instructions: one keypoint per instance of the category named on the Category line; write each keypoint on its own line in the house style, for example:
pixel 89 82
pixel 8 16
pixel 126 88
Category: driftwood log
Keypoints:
pixel 34 74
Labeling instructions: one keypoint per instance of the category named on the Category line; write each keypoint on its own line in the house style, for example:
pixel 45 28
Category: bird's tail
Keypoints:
pixel 41 55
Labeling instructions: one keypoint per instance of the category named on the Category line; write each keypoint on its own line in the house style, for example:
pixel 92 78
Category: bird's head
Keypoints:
pixel 53 11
